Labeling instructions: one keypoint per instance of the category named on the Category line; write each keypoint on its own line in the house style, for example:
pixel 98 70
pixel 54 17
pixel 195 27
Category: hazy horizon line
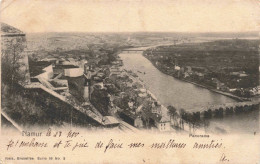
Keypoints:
pixel 187 32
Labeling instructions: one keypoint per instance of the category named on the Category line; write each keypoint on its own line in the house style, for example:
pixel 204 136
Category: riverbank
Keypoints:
pixel 217 91
pixel 203 86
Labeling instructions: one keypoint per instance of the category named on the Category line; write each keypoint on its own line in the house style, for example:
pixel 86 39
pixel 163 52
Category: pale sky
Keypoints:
pixel 132 16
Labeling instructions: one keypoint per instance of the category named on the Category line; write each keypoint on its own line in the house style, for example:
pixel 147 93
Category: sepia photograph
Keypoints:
pixel 145 68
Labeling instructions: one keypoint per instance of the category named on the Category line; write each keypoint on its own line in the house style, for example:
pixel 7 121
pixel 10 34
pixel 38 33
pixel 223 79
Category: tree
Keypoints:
pixel 100 100
pixel 146 118
pixel 11 55
pixel 183 114
pixel 172 112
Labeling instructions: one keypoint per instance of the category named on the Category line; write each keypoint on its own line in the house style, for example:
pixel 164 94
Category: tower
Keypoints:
pixel 87 84
pixel 86 94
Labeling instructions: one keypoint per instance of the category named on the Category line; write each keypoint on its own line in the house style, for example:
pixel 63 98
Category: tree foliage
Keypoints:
pixel 11 55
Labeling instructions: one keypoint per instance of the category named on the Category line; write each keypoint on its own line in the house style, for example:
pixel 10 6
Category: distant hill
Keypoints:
pixel 80 40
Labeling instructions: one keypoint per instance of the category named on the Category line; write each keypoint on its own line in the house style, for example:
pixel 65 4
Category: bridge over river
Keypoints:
pixel 226 106
pixel 141 50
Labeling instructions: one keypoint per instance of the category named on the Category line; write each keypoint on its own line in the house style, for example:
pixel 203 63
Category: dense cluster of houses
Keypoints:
pixel 133 102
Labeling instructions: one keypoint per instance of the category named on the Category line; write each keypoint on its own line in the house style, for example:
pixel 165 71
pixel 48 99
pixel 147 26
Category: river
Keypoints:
pixel 180 94
pixel 169 90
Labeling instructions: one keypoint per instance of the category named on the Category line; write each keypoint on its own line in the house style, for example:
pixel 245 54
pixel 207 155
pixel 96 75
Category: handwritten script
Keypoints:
pixel 75 141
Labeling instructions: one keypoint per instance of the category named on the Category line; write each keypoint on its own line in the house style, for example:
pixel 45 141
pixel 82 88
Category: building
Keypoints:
pixel 199 74
pixel 139 109
pixel 72 61
pixel 73 72
pixel 188 69
pixel 59 68
pixel 163 124
pixel 138 122
pixel 239 74
pixel 232 89
pixel 82 63
pixel 110 121
pixel 90 65
pixel 218 84
pixel 132 119
pixel 156 109
pixel 255 91
pixel 53 60
pixel 131 104
pixel 177 68
pixel 79 87
pixel 186 74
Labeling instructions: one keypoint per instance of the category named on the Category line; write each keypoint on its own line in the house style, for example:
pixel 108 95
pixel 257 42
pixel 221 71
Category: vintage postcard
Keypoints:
pixel 130 81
